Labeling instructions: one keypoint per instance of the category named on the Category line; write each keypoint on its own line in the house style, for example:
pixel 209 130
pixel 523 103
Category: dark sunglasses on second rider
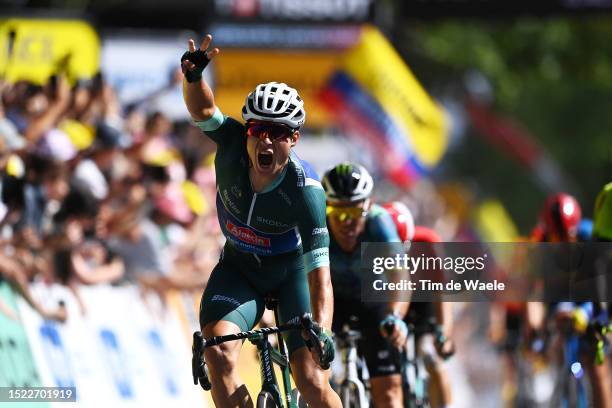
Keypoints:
pixel 272 130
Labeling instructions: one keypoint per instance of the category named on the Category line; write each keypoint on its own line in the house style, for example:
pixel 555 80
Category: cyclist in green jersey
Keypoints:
pixel 353 219
pixel 271 208
pixel 602 230
pixel 602 216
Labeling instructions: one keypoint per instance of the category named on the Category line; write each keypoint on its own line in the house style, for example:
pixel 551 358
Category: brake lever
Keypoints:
pixel 313 330
pixel 199 370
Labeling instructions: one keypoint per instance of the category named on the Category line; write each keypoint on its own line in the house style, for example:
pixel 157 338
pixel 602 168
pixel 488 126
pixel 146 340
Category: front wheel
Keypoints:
pixel 266 400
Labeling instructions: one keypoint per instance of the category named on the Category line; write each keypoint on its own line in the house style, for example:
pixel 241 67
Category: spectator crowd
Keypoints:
pixel 96 192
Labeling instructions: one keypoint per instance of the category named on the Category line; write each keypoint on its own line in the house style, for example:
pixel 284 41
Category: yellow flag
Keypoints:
pixel 494 224
pixel 375 65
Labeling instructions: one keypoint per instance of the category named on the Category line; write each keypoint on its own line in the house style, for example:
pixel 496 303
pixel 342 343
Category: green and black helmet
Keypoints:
pixel 347 182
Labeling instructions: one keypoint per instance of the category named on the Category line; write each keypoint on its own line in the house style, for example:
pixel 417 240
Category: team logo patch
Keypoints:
pixel 246 235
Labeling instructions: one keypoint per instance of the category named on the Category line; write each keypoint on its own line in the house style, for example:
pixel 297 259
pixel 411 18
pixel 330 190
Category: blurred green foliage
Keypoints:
pixel 553 76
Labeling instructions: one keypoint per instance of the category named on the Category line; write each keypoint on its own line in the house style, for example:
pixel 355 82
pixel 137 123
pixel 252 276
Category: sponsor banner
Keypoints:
pixel 34 49
pixel 238 71
pixel 294 10
pixel 472 272
pixel 285 36
pixel 134 81
pixel 117 350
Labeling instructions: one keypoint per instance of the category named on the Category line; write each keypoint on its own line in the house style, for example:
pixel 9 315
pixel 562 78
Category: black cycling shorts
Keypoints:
pixel 381 358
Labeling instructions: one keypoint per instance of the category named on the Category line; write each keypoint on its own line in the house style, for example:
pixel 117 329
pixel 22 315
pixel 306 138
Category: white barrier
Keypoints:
pixel 123 352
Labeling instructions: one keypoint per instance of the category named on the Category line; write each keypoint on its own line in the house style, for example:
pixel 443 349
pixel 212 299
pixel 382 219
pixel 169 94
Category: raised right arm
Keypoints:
pixel 198 96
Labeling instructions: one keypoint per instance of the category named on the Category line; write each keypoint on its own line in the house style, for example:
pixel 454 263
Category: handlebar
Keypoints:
pixel 199 370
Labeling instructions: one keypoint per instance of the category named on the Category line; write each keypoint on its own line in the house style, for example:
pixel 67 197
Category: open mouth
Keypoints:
pixel 265 159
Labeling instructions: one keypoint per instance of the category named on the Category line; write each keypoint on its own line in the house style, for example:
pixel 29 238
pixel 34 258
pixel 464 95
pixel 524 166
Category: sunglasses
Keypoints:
pixel 345 213
pixel 272 131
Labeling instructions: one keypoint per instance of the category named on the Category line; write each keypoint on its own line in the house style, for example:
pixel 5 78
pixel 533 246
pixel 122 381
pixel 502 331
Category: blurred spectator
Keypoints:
pixel 89 173
pixel 79 257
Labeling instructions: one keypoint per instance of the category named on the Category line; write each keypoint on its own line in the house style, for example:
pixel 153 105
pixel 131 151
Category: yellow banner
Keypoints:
pixel 35 49
pixel 238 71
pixel 377 67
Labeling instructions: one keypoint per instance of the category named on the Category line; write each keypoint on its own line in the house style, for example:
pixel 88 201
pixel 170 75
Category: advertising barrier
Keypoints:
pixel 17 366
pixel 121 350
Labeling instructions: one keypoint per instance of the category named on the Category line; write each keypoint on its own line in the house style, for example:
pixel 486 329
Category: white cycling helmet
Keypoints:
pixel 275 102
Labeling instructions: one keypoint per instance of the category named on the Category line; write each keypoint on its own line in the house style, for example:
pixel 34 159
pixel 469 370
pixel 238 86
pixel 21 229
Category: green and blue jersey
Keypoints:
pixel 288 216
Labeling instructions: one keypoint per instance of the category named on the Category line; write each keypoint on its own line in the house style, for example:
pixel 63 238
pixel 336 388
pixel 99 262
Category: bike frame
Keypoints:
pixel 413 380
pixel 352 376
pixel 268 356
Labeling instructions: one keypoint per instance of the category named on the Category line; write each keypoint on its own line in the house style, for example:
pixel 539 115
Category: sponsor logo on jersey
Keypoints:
pixel 228 201
pixel 221 298
pixel 246 235
pixel 300 177
pixel 317 231
pixel 272 223
pixel 319 253
pixel 284 196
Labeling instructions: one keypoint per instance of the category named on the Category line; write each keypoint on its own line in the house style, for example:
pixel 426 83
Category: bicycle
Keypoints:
pixel 532 372
pixel 353 392
pixel 415 378
pixel 270 395
pixel 414 374
pixel 572 388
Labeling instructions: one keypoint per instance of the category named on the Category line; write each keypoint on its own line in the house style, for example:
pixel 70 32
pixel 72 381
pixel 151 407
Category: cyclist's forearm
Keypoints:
pixel 321 296
pixel 535 315
pixel 399 309
pixel 199 99
pixel 444 316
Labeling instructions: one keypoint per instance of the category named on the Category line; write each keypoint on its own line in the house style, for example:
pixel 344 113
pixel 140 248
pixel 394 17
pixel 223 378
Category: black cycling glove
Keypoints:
pixel 200 60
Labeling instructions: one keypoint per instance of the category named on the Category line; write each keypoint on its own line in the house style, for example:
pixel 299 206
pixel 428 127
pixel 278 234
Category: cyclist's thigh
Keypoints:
pixel 293 302
pixel 381 357
pixel 229 296
pixel 344 309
